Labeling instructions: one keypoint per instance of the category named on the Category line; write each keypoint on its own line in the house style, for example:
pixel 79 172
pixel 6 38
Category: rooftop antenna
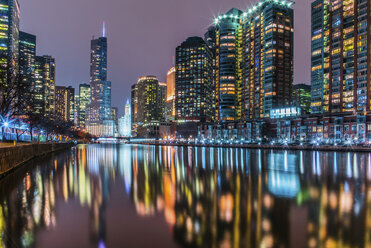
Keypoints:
pixel 104 29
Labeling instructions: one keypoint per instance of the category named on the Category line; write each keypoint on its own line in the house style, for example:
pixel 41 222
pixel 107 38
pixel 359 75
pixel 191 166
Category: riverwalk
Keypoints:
pixel 12 156
pixel 264 146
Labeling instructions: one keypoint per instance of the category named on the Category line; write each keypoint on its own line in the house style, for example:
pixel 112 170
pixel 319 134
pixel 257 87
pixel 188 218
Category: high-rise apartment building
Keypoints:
pixel 9 36
pixel 64 103
pixel 228 78
pixel 44 90
pixel 268 57
pixel 254 60
pixel 193 81
pixel 340 56
pixel 84 101
pixel 150 97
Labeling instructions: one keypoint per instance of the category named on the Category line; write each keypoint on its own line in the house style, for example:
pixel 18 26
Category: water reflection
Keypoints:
pixel 208 197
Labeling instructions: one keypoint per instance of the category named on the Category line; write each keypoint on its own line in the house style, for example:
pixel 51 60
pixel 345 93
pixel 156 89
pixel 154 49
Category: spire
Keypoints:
pixel 104 29
pixel 127 101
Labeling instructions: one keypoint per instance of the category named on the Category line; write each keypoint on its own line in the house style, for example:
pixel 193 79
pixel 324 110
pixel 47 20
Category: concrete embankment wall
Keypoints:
pixel 11 157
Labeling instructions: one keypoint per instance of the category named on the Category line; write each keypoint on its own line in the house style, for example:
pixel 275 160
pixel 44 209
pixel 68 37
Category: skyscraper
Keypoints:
pixel 228 78
pixel 71 106
pixel 98 59
pixel 134 105
pixel 193 81
pixel 268 57
pixel 100 104
pixel 27 54
pixel 114 115
pixel 125 121
pixel 61 112
pixel 44 92
pixel 84 101
pixel 9 36
pixel 64 103
pixel 150 100
pixel 170 95
pixel 340 56
pixel 254 60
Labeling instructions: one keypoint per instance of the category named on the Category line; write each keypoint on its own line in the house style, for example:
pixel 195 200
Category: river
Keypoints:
pixel 158 196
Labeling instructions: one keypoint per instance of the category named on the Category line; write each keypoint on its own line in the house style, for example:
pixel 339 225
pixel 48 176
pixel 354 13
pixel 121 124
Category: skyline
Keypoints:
pixel 126 46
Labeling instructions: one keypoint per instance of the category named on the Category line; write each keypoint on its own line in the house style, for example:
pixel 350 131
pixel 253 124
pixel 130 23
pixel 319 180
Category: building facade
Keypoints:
pixel 27 54
pixel 26 63
pixel 125 121
pixel 44 90
pixel 254 61
pixel 340 56
pixel 268 57
pixel 228 78
pixel 84 101
pixel 98 60
pixel 9 36
pixel 301 97
pixel 170 95
pixel 193 81
pixel 71 104
pixel 100 105
pixel 64 103
pixel 150 100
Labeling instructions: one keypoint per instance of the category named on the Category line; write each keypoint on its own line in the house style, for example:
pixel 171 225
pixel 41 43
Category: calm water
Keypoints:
pixel 146 196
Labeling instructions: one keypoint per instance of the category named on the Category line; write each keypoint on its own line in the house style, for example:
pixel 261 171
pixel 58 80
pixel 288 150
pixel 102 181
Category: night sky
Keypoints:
pixel 142 35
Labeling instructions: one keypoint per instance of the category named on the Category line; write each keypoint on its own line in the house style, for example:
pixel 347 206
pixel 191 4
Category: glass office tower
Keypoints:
pixel 9 35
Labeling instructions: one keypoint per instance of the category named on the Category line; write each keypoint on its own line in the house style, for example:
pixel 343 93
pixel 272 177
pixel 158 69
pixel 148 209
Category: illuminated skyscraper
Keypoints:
pixel 150 97
pixel 193 81
pixel 44 85
pixel 254 60
pixel 9 36
pixel 228 78
pixel 170 96
pixel 27 54
pixel 98 59
pixel 64 103
pixel 268 57
pixel 134 105
pixel 84 101
pixel 125 122
pixel 71 103
pixel 340 56
pixel 99 109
